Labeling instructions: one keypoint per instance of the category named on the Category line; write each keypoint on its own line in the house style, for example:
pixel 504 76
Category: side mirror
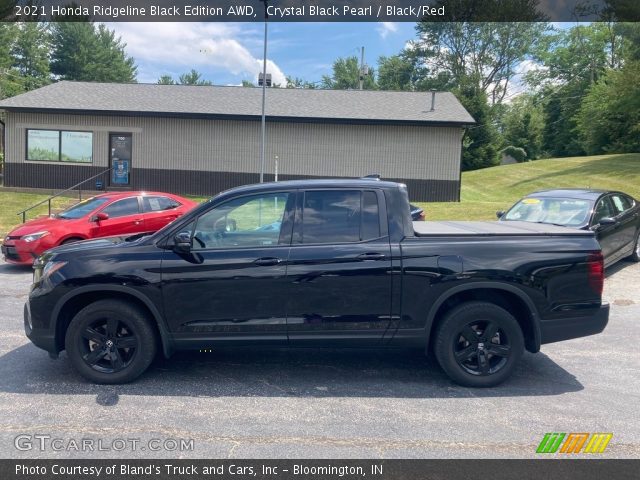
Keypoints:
pixel 182 242
pixel 499 213
pixel 607 221
pixel 98 217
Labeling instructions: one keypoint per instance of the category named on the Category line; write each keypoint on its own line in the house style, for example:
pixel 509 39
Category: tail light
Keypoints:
pixel 595 272
pixel 422 216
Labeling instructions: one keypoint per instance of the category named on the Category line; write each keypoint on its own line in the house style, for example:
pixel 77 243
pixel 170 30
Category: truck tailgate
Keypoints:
pixel 449 228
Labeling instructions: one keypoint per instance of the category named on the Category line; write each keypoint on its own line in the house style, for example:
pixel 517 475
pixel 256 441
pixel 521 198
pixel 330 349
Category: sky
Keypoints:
pixel 227 53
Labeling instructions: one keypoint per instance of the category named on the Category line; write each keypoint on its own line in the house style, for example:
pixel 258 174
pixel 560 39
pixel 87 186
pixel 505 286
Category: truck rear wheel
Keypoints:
pixel 110 341
pixel 478 344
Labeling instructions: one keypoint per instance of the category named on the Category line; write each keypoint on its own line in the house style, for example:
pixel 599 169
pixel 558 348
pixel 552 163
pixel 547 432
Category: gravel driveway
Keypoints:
pixel 325 403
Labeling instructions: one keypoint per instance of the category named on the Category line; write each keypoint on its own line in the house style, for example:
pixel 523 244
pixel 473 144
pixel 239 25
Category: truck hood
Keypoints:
pixel 97 243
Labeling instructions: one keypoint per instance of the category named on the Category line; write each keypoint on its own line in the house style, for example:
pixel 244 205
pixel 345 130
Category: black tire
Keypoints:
pixel 71 240
pixel 110 341
pixel 478 361
pixel 635 256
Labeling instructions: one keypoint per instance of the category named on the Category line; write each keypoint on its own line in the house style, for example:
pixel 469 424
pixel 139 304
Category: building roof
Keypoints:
pixel 242 103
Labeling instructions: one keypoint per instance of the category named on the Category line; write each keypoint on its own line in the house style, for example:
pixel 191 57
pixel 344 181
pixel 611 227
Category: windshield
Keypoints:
pixel 83 208
pixel 569 212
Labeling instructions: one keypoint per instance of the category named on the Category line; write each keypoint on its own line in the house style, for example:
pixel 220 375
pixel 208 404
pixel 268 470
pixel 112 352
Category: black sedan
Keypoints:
pixel 614 216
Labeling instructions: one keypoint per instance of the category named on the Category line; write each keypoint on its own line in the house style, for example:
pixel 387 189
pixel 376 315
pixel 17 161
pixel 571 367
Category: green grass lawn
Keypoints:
pixel 488 190
pixel 11 203
pixel 483 191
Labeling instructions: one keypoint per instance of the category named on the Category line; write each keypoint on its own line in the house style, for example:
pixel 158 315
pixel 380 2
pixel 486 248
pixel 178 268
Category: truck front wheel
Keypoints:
pixel 110 341
pixel 478 344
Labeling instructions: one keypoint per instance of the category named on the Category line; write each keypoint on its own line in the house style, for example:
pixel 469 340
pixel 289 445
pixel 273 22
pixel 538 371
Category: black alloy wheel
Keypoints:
pixel 111 341
pixel 108 345
pixel 482 348
pixel 478 344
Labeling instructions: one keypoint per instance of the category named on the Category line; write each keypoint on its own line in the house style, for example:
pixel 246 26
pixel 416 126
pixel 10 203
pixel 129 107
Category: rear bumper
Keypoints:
pixel 574 327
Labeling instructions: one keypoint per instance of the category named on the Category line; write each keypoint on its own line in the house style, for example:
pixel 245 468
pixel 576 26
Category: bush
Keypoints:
pixel 517 153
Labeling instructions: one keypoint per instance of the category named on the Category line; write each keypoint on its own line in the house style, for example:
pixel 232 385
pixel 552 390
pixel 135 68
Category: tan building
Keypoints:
pixel 202 139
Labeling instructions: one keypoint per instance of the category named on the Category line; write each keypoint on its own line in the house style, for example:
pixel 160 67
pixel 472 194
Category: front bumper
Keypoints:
pixel 560 329
pixel 41 337
pixel 20 253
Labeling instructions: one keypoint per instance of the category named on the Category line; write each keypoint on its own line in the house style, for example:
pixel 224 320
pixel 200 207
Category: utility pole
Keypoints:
pixel 264 92
pixel 361 68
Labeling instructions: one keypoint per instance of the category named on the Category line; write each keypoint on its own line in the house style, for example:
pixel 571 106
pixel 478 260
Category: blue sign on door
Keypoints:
pixel 120 175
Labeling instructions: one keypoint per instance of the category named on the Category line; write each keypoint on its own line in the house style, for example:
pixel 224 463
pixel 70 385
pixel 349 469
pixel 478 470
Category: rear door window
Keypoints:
pixel 158 204
pixel 622 203
pixel 340 216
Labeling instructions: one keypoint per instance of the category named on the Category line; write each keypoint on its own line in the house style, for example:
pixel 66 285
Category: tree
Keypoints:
pixel 30 53
pixel 480 141
pixel 488 52
pixel 517 153
pixel 609 118
pixel 84 52
pixel 248 84
pixel 190 78
pixel 166 80
pixel 193 78
pixel 10 80
pixel 573 60
pixel 523 124
pixel 298 83
pixel 346 75
pixel 476 55
pixel 395 73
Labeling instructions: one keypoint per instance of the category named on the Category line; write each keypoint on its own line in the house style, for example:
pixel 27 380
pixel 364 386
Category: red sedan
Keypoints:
pixel 100 216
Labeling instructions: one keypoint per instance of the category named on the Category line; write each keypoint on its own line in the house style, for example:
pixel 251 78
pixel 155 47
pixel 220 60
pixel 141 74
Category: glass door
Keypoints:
pixel 120 159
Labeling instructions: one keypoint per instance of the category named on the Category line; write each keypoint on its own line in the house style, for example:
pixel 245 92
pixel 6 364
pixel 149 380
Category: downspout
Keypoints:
pixel 464 133
pixel 4 147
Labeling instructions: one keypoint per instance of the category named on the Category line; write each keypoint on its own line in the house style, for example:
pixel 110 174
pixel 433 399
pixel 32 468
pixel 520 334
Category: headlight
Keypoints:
pixel 35 236
pixel 41 273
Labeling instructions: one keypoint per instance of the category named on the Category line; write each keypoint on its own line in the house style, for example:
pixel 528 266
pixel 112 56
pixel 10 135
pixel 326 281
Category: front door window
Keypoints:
pixel 254 221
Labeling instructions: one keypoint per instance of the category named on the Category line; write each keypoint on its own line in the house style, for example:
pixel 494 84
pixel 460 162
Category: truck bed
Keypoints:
pixel 460 228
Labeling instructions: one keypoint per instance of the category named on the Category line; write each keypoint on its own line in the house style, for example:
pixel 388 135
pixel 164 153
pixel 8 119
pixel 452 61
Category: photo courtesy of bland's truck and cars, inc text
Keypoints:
pixel 278 239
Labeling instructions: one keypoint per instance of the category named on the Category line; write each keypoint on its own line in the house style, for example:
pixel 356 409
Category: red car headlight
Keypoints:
pixel 32 237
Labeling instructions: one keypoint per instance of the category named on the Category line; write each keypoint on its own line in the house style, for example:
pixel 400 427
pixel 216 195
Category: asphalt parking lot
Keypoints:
pixel 321 403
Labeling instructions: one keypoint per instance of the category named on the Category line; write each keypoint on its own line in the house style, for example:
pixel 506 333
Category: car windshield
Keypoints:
pixel 81 209
pixel 570 212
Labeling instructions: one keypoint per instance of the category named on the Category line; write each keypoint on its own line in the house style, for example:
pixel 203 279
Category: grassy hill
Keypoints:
pixel 488 190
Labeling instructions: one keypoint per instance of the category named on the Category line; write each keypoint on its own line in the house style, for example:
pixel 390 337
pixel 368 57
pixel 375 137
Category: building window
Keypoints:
pixel 59 146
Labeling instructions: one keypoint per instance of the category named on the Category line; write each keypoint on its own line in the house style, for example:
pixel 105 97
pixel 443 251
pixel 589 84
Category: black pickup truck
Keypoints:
pixel 318 263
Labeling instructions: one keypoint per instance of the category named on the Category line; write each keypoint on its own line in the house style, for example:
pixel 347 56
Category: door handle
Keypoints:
pixel 371 256
pixel 267 261
pixel 137 222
